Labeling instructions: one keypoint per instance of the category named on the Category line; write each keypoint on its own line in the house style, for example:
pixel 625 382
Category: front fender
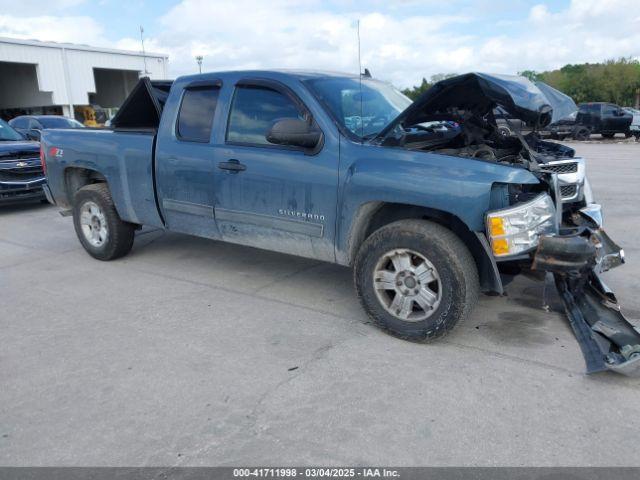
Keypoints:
pixel 458 186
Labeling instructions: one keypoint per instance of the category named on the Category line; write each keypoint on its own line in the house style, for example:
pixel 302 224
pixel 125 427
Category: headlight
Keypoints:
pixel 517 229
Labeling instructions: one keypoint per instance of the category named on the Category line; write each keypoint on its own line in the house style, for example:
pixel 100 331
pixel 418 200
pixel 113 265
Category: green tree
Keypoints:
pixel 415 92
pixel 530 74
pixel 615 81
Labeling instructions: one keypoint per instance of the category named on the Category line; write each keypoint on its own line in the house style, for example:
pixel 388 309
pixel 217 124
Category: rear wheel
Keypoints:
pixel 98 226
pixel 416 279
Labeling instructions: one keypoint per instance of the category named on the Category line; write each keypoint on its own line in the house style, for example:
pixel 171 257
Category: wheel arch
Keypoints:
pixel 374 215
pixel 77 177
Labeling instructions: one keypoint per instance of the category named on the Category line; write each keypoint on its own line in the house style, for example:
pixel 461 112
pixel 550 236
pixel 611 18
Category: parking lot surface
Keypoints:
pixel 195 352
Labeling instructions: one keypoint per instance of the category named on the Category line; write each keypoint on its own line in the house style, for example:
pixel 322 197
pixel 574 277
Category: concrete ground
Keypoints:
pixel 194 352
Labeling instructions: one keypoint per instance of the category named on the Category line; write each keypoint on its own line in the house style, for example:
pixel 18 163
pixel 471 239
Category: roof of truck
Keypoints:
pixel 300 74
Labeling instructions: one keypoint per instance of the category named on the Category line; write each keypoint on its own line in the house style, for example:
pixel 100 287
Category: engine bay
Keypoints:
pixel 464 134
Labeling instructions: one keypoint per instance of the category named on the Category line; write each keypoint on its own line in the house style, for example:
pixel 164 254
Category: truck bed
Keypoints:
pixel 124 157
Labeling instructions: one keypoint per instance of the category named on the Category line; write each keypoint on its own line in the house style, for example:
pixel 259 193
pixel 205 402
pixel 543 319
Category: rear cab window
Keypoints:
pixel 195 117
pixel 253 112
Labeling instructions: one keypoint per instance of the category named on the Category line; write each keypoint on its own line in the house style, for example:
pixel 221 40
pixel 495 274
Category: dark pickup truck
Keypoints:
pixel 606 119
pixel 346 169
pixel 21 175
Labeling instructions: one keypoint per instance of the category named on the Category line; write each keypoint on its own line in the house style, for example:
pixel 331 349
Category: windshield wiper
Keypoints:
pixel 369 136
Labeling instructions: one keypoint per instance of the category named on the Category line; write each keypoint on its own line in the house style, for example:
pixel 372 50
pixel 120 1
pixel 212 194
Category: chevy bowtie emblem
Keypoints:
pixel 21 164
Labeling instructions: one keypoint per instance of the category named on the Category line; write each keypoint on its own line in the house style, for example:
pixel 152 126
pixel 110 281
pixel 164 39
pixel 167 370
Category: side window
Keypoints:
pixel 594 108
pixel 609 110
pixel 253 112
pixel 195 118
pixel 34 125
pixel 19 123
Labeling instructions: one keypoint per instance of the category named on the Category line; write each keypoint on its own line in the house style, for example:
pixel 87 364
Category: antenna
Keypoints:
pixel 144 56
pixel 360 81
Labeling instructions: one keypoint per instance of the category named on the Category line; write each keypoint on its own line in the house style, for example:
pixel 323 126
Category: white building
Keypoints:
pixel 58 78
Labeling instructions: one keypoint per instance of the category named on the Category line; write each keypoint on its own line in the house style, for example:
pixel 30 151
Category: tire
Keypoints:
pixel 98 226
pixel 456 279
pixel 581 133
pixel 561 137
pixel 608 135
pixel 627 134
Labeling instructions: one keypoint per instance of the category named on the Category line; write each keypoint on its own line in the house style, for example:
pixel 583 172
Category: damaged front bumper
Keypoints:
pixel 577 258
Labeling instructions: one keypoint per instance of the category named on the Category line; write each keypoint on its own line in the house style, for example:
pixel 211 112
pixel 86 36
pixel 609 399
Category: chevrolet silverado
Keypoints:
pixel 346 169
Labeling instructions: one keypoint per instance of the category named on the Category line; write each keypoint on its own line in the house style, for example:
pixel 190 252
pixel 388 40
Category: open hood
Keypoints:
pixel 537 104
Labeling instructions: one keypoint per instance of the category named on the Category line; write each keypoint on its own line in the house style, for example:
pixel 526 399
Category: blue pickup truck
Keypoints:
pixel 21 176
pixel 346 169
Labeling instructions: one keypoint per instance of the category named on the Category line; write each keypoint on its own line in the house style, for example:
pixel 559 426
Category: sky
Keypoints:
pixel 402 41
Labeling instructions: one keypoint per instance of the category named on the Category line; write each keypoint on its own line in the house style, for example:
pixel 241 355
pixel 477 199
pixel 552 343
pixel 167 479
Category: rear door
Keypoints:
pixel 271 196
pixel 185 163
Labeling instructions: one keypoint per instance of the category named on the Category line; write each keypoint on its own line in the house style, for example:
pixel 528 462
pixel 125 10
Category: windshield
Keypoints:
pixel 363 112
pixel 7 133
pixel 59 122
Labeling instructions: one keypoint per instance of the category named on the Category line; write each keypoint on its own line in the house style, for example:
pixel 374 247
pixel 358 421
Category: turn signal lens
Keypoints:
pixel 497 226
pixel 43 161
pixel 500 246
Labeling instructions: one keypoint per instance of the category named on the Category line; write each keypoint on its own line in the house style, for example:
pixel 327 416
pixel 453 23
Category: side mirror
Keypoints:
pixel 294 132
pixel 33 134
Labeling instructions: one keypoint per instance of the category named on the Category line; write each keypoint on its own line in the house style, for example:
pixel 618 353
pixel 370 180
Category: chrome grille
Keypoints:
pixel 565 167
pixel 568 191
pixel 21 170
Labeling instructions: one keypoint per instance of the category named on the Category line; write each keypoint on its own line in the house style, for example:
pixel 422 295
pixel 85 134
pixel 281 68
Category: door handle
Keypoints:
pixel 233 165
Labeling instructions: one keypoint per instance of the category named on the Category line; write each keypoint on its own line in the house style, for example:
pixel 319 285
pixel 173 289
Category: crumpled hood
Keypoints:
pixel 537 104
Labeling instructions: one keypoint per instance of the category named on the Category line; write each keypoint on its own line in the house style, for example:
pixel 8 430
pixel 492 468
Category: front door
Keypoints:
pixel 271 196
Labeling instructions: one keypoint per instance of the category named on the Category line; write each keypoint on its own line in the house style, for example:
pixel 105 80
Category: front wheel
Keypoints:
pixel 416 279
pixel 581 133
pixel 98 226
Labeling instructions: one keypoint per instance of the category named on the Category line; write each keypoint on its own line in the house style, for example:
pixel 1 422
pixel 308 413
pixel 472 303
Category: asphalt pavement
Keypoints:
pixel 195 352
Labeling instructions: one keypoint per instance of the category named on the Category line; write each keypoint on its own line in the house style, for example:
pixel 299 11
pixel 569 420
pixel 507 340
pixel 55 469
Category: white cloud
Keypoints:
pixel 402 49
pixel 396 45
pixel 286 34
pixel 27 7
pixel 54 29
